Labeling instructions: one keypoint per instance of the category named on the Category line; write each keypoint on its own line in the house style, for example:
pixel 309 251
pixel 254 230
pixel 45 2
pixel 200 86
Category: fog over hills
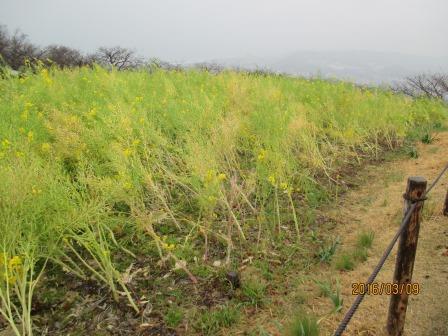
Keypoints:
pixel 366 67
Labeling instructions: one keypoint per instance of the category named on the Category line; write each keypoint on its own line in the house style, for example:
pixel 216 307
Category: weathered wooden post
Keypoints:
pixel 404 264
pixel 445 207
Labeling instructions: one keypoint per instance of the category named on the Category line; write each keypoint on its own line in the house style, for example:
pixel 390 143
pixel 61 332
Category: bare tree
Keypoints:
pixel 90 59
pixel 17 49
pixel 63 56
pixel 4 39
pixel 213 68
pixel 118 57
pixel 431 86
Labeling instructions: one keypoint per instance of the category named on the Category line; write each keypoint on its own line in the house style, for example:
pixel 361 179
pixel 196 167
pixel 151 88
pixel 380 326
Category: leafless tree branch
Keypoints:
pixel 431 86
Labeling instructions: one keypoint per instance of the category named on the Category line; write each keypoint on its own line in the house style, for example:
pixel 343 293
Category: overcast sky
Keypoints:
pixel 193 30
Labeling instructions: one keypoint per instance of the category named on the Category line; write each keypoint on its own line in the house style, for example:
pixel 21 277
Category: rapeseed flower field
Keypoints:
pixel 100 168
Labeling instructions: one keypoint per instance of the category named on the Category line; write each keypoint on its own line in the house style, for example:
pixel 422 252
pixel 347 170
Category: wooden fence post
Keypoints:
pixel 404 264
pixel 445 207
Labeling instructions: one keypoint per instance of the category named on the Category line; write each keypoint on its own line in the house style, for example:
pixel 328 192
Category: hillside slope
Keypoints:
pixel 139 190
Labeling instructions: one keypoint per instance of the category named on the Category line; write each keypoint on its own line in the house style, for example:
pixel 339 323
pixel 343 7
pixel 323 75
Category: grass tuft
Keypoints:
pixel 365 239
pixel 210 322
pixel 174 317
pixel 254 292
pixel 345 262
pixel 326 253
pixel 305 325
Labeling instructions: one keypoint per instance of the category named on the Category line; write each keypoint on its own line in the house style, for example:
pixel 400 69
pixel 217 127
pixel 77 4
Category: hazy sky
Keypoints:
pixel 182 30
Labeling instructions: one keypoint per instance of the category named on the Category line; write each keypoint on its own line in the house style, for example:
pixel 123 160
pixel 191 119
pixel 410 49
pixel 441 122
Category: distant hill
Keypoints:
pixel 366 67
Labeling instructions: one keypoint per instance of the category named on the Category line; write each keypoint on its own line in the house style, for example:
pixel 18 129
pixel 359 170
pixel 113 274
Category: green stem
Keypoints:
pixel 296 222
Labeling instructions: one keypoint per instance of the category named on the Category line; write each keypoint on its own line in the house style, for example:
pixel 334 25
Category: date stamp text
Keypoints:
pixel 385 288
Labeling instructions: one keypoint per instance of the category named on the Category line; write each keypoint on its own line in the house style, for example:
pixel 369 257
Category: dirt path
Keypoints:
pixel 374 208
pixel 377 205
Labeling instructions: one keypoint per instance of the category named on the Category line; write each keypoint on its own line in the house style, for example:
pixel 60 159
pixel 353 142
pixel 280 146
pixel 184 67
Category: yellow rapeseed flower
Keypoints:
pixel 30 136
pixel 45 147
pixel 12 279
pixel 6 143
pixel 284 185
pixel 222 177
pixel 14 262
pixel 262 155
pixel 92 112
pixel 35 190
pixel 128 152
pixel 20 154
pixel 272 180
pixel 168 247
pixel 210 175
pixel 46 77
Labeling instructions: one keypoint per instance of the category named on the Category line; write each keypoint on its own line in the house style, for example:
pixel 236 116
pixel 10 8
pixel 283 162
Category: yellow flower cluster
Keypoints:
pixel 46 76
pixel 222 177
pixel 283 185
pixel 127 185
pixel 212 175
pixel 92 112
pixel 14 262
pixel 26 109
pixel 6 144
pixel 11 268
pixel 262 155
pixel 167 246
pixel 45 147
pixel 129 151
pixel 35 190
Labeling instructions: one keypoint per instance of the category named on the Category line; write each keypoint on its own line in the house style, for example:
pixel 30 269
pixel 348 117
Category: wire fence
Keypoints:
pixel 404 223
